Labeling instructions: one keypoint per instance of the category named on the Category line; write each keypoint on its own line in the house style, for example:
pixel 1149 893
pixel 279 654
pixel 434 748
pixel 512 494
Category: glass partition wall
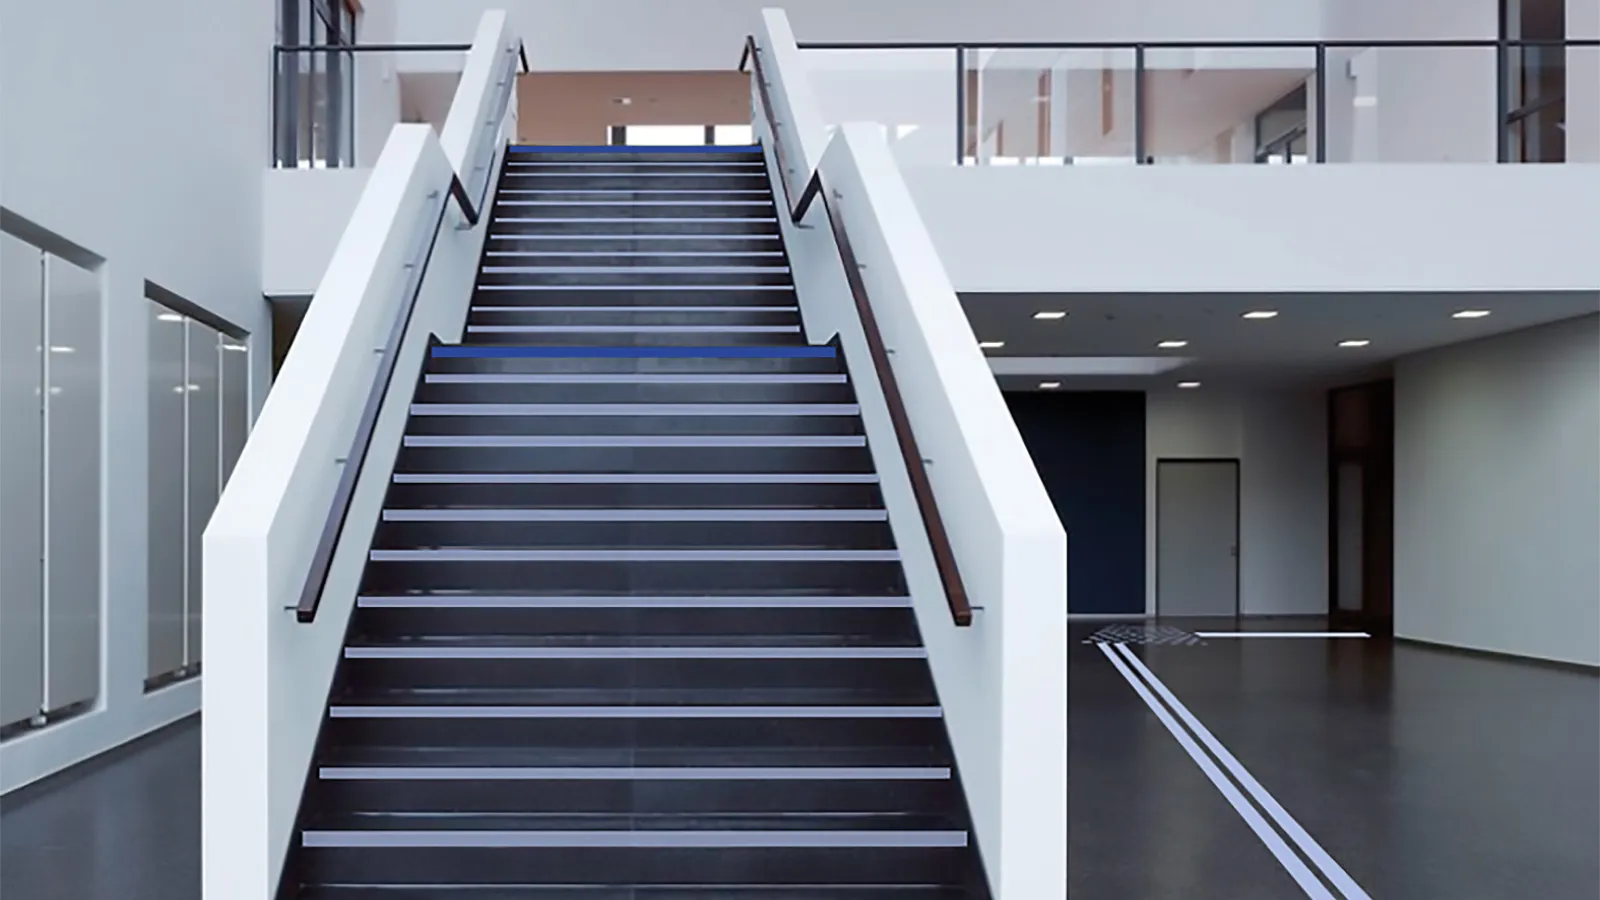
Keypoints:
pixel 50 511
pixel 315 93
pixel 1179 103
pixel 199 415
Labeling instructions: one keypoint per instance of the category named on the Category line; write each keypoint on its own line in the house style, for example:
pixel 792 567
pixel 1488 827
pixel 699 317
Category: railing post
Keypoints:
pixel 961 105
pixel 1138 105
pixel 1502 99
pixel 1321 151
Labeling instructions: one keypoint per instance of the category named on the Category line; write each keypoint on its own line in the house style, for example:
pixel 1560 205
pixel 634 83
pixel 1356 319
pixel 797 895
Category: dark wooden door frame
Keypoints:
pixel 1376 460
pixel 1238 515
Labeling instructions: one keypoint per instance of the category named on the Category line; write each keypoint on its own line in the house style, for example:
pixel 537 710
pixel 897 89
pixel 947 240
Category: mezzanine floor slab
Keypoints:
pixel 1423 773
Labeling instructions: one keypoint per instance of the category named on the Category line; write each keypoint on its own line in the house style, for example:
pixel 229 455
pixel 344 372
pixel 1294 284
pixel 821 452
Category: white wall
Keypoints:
pixel 304 212
pixel 1280 440
pixel 1497 494
pixel 1223 228
pixel 708 34
pixel 376 81
pixel 141 137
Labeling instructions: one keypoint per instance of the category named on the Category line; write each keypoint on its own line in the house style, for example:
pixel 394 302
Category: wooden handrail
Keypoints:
pixel 339 511
pixel 944 557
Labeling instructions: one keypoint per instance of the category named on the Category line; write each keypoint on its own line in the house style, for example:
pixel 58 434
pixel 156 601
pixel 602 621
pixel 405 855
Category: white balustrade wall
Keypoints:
pixel 267 675
pixel 1002 681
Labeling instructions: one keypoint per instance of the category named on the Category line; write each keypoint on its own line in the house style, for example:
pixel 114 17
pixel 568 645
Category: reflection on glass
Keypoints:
pixel 1224 105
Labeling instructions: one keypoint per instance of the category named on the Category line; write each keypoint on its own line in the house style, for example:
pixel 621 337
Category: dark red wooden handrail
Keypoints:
pixel 944 557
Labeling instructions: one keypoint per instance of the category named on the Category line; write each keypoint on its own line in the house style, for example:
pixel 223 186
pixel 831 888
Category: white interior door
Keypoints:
pixel 1197 535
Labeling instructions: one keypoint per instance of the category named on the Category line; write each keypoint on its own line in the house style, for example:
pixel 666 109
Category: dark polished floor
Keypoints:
pixel 122 827
pixel 1424 773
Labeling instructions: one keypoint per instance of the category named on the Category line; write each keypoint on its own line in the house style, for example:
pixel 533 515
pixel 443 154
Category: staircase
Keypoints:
pixel 634 624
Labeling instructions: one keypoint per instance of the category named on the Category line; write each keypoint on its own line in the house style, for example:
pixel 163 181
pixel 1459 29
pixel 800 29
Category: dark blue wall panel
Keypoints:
pixel 1089 448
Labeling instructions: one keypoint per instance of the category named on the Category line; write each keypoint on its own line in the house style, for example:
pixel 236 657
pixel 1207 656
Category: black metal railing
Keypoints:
pixel 1038 93
pixel 353 461
pixel 317 90
pixel 798 199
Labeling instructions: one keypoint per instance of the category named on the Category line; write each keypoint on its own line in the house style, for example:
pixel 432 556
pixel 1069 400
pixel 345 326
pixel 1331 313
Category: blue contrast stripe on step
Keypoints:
pixel 494 352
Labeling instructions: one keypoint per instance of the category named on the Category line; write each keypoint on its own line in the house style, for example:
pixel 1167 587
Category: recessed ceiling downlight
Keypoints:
pixel 1049 385
pixel 1354 343
pixel 1188 385
pixel 1049 315
pixel 1261 314
pixel 1470 314
pixel 991 345
pixel 1172 345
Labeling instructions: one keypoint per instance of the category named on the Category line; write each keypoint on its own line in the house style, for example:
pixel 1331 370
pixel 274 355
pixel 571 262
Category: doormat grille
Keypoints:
pixel 1144 634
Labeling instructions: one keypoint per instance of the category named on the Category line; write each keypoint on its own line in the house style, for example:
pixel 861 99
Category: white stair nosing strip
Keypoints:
pixel 760 192
pixel 638 773
pixel 492 601
pixel 633 329
pixel 634 478
pixel 358 711
pixel 628 220
pixel 476 838
pixel 632 203
pixel 668 253
pixel 772 441
pixel 538 288
pixel 651 514
pixel 635 308
pixel 635 409
pixel 631 555
pixel 636 270
pixel 634 377
pixel 638 653
pixel 633 237
pixel 735 164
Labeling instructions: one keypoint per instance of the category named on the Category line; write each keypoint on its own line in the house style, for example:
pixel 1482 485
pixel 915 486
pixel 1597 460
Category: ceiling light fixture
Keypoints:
pixel 991 345
pixel 1354 343
pixel 1470 314
pixel 1049 385
pixel 1047 314
pixel 1188 385
pixel 1172 345
pixel 1261 314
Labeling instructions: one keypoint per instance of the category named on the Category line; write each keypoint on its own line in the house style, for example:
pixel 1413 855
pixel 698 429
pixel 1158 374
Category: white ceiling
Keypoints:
pixel 1110 339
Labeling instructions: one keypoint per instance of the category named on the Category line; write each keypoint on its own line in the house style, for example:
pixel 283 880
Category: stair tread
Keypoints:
pixel 771 755
pixel 633 625
pixel 703 641
pixel 640 698
pixel 607 892
pixel 358 820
